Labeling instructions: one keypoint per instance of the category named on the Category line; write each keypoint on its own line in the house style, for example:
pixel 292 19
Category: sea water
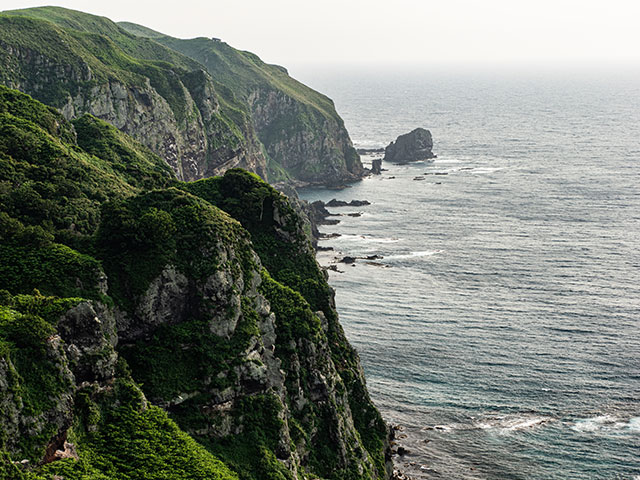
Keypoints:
pixel 501 328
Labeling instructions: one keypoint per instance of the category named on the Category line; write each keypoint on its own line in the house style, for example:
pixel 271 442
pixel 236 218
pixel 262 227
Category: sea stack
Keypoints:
pixel 376 166
pixel 410 147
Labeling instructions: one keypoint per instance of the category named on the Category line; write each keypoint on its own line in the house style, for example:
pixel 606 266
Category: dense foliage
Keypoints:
pixel 87 213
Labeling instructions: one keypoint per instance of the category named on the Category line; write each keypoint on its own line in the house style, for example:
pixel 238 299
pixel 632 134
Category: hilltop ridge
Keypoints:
pixel 200 104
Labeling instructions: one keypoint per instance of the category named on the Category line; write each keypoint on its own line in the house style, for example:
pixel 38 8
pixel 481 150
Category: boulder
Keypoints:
pixel 410 147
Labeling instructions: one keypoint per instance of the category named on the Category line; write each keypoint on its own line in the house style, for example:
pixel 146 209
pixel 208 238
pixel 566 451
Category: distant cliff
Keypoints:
pixel 201 105
pixel 152 328
pixel 299 127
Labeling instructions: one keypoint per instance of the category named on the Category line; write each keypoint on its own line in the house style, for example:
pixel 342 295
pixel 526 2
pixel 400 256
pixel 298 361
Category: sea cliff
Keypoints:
pixel 200 104
pixel 152 328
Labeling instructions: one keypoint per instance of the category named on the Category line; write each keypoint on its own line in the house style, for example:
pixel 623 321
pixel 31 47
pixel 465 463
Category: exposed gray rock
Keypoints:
pixel 165 301
pixel 410 147
pixel 322 153
pixel 194 139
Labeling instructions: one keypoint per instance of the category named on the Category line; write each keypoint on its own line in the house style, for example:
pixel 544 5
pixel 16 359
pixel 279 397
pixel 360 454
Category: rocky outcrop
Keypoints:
pixel 304 137
pixel 376 166
pixel 341 203
pixel 249 115
pixel 411 147
pixel 40 376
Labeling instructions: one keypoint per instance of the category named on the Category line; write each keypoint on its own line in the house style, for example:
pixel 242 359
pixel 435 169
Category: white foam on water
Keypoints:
pixel 606 423
pixel 593 424
pixel 366 238
pixel 482 170
pixel 523 423
pixel 508 424
pixel 425 253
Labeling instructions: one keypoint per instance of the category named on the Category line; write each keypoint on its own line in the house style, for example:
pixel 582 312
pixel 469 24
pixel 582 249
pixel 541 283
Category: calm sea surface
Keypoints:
pixel 501 328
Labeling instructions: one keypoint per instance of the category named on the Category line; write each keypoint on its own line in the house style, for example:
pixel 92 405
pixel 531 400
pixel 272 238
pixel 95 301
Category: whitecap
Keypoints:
pixel 522 423
pixel 512 423
pixel 594 424
pixel 368 239
pixel 425 253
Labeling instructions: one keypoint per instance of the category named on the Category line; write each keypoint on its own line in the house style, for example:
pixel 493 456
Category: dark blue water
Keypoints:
pixel 501 329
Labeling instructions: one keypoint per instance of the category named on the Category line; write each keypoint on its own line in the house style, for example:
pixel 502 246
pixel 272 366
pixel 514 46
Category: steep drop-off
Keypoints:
pixel 298 126
pixel 176 330
pixel 201 105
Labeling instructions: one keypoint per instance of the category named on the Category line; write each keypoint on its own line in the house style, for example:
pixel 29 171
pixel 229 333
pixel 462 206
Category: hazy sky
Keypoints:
pixel 382 32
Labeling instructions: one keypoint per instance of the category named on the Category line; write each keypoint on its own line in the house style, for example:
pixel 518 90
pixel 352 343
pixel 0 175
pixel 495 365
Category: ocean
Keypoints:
pixel 500 330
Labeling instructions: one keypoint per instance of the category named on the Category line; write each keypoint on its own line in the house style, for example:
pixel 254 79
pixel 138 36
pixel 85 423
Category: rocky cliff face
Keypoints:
pixel 411 147
pixel 204 111
pixel 303 135
pixel 196 335
pixel 174 112
pixel 321 154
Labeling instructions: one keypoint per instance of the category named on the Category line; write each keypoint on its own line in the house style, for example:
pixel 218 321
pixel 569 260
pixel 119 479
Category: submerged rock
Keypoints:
pixel 348 259
pixel 410 147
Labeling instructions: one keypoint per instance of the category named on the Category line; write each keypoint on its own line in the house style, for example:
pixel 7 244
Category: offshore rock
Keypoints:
pixel 410 147
pixel 376 166
pixel 341 203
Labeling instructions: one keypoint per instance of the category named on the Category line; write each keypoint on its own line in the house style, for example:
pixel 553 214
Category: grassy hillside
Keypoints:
pixel 301 108
pixel 81 63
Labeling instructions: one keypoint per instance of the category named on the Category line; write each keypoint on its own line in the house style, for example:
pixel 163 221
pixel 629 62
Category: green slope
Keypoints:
pixel 245 74
pixel 81 63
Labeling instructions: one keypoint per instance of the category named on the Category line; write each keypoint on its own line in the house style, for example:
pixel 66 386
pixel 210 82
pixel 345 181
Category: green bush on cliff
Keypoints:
pixel 254 203
pixel 251 452
pixel 140 236
pixel 47 180
pixel 132 441
pixel 30 259
pixel 138 165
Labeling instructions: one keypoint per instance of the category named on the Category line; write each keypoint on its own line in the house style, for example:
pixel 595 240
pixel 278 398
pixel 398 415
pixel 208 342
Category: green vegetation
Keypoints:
pixel 127 158
pixel 280 123
pixel 61 54
pixel 47 180
pixel 275 229
pixel 120 437
pixel 252 452
pixel 299 111
pixel 86 212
